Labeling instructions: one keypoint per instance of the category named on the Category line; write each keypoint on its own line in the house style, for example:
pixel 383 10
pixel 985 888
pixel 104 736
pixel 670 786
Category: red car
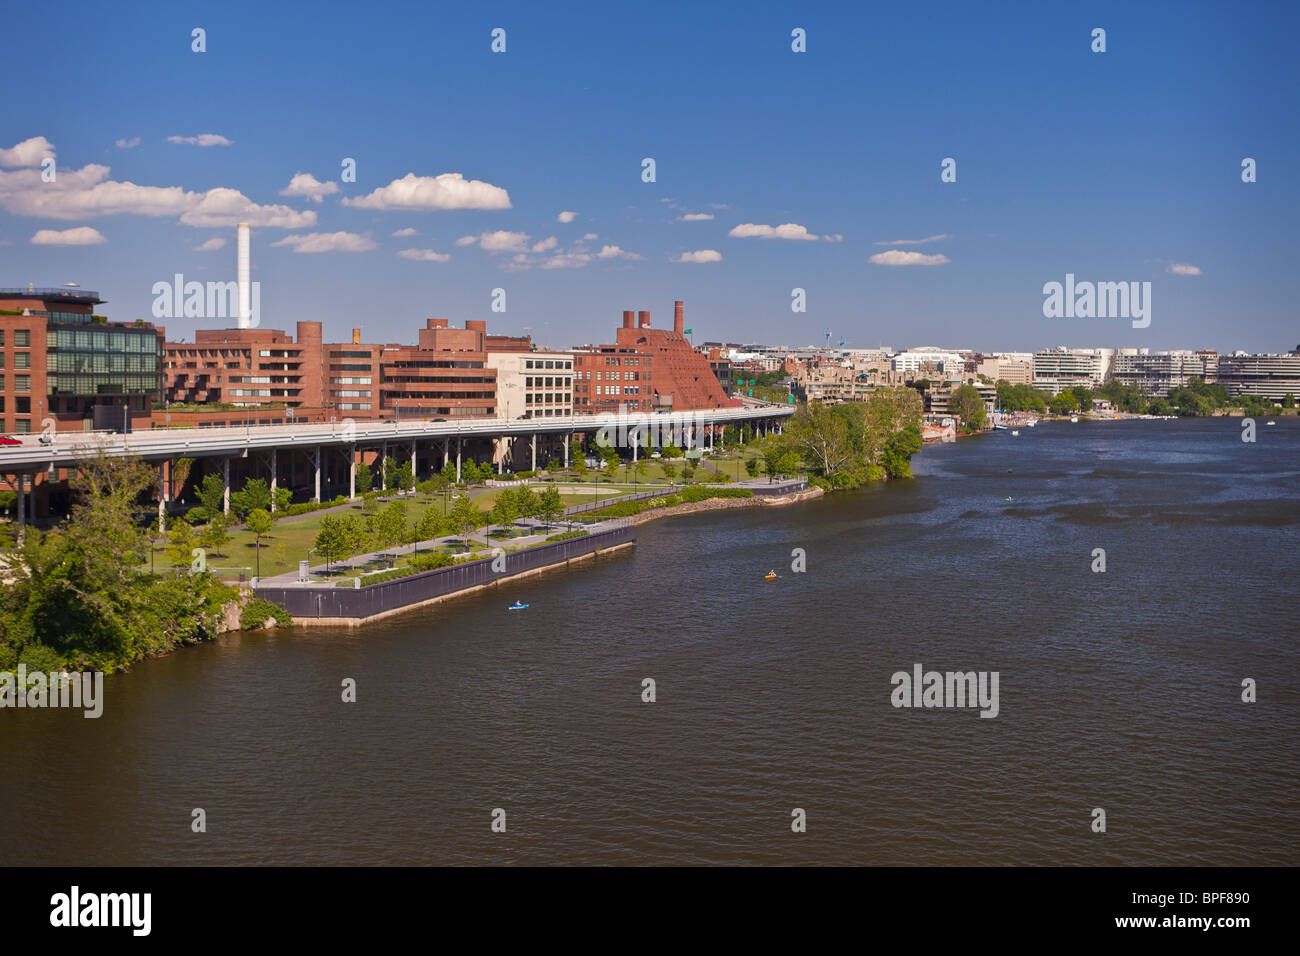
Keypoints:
pixel 6 440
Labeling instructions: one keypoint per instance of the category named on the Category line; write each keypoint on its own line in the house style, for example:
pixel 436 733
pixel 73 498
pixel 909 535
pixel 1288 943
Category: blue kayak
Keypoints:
pixel 516 607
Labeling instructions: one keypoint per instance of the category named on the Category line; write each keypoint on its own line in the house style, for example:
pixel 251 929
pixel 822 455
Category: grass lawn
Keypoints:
pixel 289 540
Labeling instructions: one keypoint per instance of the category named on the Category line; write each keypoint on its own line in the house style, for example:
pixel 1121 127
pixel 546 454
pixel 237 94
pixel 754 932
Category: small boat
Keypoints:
pixel 1008 499
pixel 771 575
pixel 1032 422
pixel 1074 418
pixel 1270 423
pixel 1015 431
pixel 516 607
pixel 999 427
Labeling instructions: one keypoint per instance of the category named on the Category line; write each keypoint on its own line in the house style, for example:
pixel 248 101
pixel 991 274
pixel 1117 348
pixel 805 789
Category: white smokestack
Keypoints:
pixel 244 276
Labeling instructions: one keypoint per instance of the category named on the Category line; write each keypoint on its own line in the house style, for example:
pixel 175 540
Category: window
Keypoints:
pixel 23 338
pixel 22 360
pixel 2 337
pixel 22 383
pixel 23 425
pixel 23 405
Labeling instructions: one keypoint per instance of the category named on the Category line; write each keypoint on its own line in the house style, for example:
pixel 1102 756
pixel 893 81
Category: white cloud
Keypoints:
pixel 224 208
pixel 566 217
pixel 702 255
pixel 447 191
pixel 423 255
pixel 567 260
pixel 305 184
pixel 591 236
pixel 915 242
pixel 545 245
pixel 789 230
pixel 203 139
pixel 614 252
pixel 1183 269
pixel 213 244
pixel 88 192
pixel 695 217
pixel 80 236
pixel 328 242
pixel 401 233
pixel 897 257
pixel 131 143
pixel 499 241
pixel 837 237
pixel 30 152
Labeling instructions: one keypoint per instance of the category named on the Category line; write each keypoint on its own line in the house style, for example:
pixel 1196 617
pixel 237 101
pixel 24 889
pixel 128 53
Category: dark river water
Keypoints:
pixel 1118 690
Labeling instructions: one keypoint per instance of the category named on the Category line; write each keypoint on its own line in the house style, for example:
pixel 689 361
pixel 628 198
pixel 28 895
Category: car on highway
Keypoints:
pixel 9 440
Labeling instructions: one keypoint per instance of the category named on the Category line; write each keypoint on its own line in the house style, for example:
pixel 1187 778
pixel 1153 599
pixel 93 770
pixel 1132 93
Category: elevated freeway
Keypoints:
pixel 62 451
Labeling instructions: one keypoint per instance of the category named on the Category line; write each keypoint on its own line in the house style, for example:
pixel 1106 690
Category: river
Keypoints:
pixel 1118 690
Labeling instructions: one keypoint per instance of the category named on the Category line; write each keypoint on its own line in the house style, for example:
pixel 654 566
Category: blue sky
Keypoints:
pixel 1115 166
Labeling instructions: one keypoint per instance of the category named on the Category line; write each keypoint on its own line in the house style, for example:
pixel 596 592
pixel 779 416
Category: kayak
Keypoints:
pixel 769 576
pixel 516 607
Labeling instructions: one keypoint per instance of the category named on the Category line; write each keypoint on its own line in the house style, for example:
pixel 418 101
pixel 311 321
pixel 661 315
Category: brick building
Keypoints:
pixel 60 360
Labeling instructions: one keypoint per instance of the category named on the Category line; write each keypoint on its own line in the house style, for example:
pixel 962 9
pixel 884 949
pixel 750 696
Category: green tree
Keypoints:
pixel 388 528
pixel 549 505
pixel 788 463
pixel 751 467
pixel 365 478
pixel 464 517
pixel 405 476
pixel 526 502
pixel 283 497
pixel 1288 400
pixel 670 470
pixel 254 494
pixel 449 473
pixel 216 534
pixel 259 522
pixel 333 541
pixel 967 404
pixel 211 492
pixel 1063 403
pixel 430 525
pixel 505 509
pixel 898 452
pixel 181 542
pixel 576 453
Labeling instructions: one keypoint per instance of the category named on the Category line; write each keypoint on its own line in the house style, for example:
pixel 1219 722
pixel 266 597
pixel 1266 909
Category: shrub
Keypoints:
pixel 565 536
pixel 257 612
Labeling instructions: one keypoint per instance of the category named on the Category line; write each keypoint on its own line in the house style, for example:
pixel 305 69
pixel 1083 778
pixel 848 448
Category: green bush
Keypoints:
pixel 565 536
pixel 257 612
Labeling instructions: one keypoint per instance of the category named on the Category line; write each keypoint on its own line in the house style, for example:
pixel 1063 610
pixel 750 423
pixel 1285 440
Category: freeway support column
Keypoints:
pixel 458 461
pixel 534 452
pixel 22 503
pixel 352 472
pixel 317 498
pixel 383 471
pixel 225 482
pixel 415 461
pixel 446 452
pixel 566 449
pixel 164 469
pixel 501 453
pixel 275 471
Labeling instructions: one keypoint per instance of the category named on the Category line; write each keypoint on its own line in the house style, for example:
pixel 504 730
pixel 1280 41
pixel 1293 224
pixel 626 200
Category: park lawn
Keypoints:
pixel 290 539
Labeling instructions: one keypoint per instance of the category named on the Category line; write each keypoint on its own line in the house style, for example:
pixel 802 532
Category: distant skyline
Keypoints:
pixel 775 170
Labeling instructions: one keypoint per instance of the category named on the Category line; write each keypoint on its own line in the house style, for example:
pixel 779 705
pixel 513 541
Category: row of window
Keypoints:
pixel 21 360
pixel 22 338
pixel 550 398
pixel 95 362
pixel 547 382
pixel 612 376
pixel 624 360
pixel 353 380
pixel 95 384
pixel 22 383
pixel 548 363
pixel 87 340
